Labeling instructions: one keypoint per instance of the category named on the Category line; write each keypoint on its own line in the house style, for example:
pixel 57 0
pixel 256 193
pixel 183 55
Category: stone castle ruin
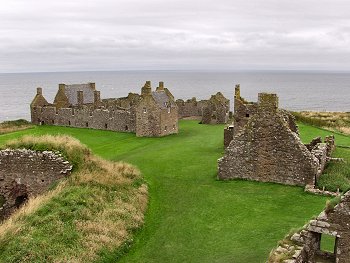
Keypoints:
pixel 25 174
pixel 213 111
pixel 305 245
pixel 263 144
pixel 152 114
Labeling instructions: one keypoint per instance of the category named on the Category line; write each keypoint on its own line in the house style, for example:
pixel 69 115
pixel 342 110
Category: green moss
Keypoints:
pixel 330 204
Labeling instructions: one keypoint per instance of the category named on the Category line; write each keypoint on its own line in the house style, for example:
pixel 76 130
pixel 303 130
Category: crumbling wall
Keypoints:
pixel 190 108
pixel 212 111
pixel 304 246
pixel 25 174
pixel 267 150
pixel 243 110
pixel 228 135
pixel 113 118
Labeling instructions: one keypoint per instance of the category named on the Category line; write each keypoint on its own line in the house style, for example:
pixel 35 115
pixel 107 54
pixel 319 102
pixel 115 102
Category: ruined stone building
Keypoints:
pixel 305 245
pixel 263 144
pixel 153 113
pixel 212 111
pixel 25 174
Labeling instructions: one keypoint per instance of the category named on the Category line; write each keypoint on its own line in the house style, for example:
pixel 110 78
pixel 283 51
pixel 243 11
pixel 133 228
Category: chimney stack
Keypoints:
pixel 97 98
pixel 161 86
pixel 61 87
pixel 80 96
pixel 237 91
pixel 146 89
pixel 39 91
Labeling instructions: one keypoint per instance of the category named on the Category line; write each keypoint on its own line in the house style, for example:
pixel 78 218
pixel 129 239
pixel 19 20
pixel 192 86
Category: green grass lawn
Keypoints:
pixel 192 217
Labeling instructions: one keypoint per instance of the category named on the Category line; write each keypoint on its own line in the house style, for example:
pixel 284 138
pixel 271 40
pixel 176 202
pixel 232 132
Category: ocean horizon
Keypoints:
pixel 297 90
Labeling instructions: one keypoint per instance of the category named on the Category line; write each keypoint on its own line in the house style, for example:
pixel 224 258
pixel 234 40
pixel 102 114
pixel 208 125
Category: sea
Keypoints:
pixel 297 90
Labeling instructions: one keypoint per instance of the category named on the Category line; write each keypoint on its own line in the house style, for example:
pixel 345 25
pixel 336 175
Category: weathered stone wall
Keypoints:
pixel 113 118
pixel 243 110
pixel 228 135
pixel 267 150
pixel 191 108
pixel 305 245
pixel 115 114
pixel 151 120
pixel 169 121
pixel 25 174
pixel 147 118
pixel 212 111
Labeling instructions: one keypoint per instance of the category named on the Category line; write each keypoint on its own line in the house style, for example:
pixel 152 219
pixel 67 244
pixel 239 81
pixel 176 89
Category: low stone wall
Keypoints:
pixel 305 245
pixel 25 174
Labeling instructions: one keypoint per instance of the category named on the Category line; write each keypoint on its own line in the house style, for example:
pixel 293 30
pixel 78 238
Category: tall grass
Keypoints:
pixel 94 210
pixel 339 121
pixel 16 125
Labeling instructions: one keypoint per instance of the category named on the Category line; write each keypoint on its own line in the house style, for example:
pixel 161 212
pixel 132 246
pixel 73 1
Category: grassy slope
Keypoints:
pixel 192 217
pixel 91 213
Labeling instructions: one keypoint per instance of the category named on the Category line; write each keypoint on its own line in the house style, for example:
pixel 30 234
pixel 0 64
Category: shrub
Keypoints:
pixel 330 204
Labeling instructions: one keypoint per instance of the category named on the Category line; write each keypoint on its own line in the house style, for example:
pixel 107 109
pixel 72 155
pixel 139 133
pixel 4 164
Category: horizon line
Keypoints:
pixel 186 70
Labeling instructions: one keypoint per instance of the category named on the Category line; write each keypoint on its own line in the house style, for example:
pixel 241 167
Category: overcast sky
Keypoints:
pixel 66 35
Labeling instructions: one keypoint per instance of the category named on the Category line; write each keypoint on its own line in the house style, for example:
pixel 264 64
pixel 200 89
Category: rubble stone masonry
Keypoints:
pixel 25 174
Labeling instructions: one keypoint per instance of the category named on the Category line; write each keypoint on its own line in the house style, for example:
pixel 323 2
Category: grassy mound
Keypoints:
pixel 90 214
pixel 16 125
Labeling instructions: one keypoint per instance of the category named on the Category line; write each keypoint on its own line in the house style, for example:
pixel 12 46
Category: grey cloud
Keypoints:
pixel 38 35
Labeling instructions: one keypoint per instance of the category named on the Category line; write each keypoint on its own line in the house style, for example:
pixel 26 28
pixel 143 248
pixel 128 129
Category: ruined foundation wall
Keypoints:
pixel 25 174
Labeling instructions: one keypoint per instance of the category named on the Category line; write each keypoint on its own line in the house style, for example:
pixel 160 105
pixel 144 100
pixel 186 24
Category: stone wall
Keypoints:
pixel 305 245
pixel 263 144
pixel 267 150
pixel 228 135
pixel 25 174
pixel 114 114
pixel 151 120
pixel 243 110
pixel 112 118
pixel 212 111
pixel 191 108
